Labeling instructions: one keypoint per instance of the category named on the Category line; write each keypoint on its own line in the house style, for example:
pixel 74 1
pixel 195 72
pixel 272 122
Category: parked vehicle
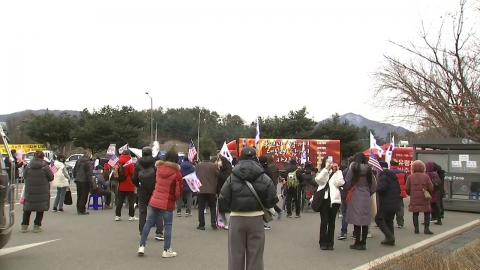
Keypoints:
pixel 71 160
pixel 6 207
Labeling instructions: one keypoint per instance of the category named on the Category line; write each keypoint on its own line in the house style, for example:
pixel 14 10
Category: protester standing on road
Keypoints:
pixel 83 172
pixel 329 181
pixel 343 193
pixel 168 189
pixel 418 183
pixel 402 177
pixel 293 180
pixel 60 181
pixel 37 191
pixel 246 235
pixel 144 178
pixel 207 173
pixel 225 170
pixel 359 211
pixel 126 189
pixel 388 189
pixel 186 168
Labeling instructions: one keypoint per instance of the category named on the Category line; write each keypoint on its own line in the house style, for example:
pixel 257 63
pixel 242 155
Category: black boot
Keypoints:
pixel 415 224
pixel 358 242
pixel 389 238
pixel 427 224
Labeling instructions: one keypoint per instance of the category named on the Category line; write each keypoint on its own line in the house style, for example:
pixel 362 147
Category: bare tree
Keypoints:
pixel 438 88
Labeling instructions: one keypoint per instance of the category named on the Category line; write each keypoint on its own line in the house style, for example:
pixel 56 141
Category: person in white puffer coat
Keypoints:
pixel 60 181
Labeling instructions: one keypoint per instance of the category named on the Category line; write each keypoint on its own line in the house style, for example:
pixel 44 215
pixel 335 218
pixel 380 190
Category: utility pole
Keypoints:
pixel 198 136
pixel 156 131
pixel 151 117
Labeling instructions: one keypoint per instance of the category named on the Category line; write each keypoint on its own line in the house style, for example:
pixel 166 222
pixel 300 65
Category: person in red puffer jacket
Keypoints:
pixel 168 189
pixel 402 178
pixel 126 188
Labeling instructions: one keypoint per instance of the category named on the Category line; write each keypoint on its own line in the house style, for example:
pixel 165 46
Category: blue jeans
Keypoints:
pixel 344 221
pixel 153 214
pixel 60 198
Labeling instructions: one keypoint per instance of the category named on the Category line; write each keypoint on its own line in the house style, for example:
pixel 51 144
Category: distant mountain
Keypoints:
pixel 381 130
pixel 4 117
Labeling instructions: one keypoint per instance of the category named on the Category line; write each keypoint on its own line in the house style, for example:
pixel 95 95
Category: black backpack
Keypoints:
pixel 147 178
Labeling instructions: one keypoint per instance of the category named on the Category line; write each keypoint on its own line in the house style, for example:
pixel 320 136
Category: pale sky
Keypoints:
pixel 242 57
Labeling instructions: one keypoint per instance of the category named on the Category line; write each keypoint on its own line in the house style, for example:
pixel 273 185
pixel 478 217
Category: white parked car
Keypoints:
pixel 71 160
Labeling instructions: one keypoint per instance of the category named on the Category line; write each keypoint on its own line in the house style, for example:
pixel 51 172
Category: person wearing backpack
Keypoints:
pixel 293 180
pixel 123 172
pixel 144 179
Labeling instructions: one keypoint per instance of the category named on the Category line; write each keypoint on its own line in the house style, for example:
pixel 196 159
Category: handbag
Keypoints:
pixel 68 198
pixel 350 194
pixel 320 195
pixel 267 215
pixel 427 195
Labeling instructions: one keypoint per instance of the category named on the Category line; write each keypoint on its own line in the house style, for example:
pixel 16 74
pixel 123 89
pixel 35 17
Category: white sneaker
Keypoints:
pixel 169 253
pixel 141 251
pixel 369 235
pixel 117 218
pixel 226 227
pixel 205 211
pixel 132 218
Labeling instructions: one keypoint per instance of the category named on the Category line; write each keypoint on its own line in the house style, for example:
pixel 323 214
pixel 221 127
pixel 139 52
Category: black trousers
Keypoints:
pixel 384 221
pixel 121 195
pixel 436 211
pixel 294 193
pixel 277 209
pixel 143 199
pixel 83 189
pixel 328 215
pixel 211 200
pixel 37 221
pixel 106 194
pixel 361 233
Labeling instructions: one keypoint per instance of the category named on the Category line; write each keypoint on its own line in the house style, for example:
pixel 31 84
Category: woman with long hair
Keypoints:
pixel 36 195
pixel 361 185
pixel 225 169
pixel 329 181
pixel 61 181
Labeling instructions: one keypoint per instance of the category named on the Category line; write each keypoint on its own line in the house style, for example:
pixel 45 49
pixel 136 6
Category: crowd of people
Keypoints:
pixel 247 190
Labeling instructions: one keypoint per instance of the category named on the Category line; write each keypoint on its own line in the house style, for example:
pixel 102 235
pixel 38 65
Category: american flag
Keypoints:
pixel 53 168
pixel 113 160
pixel 373 162
pixel 192 152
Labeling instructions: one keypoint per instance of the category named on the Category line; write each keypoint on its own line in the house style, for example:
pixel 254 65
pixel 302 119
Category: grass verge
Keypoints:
pixel 432 258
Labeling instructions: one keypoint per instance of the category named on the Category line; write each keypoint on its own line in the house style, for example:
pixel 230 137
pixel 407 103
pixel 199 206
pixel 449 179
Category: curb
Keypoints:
pixel 419 245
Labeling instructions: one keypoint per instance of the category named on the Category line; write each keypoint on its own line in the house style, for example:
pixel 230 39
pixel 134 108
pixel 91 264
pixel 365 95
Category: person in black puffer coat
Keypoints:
pixel 388 189
pixel 145 183
pixel 225 170
pixel 246 218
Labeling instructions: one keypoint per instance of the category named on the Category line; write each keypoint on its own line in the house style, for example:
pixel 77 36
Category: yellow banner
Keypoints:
pixel 25 147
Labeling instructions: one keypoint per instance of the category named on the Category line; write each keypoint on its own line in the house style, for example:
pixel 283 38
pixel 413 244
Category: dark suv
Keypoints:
pixel 6 208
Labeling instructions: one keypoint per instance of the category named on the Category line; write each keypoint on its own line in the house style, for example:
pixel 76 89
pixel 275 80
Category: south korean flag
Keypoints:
pixel 226 153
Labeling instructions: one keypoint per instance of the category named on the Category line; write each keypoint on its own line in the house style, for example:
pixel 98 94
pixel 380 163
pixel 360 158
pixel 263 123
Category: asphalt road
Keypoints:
pixel 96 241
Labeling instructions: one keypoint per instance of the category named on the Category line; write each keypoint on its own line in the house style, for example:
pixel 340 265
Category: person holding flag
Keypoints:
pixel 360 185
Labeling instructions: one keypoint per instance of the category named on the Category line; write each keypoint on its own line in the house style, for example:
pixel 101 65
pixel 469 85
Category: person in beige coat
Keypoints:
pixel 207 173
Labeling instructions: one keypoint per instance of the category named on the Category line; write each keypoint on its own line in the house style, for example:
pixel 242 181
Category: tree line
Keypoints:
pixel 98 128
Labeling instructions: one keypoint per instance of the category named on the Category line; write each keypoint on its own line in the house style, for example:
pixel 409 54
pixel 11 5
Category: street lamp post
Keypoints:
pixel 151 116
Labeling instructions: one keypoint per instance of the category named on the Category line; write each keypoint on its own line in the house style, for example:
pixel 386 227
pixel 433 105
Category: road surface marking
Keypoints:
pixel 6 251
